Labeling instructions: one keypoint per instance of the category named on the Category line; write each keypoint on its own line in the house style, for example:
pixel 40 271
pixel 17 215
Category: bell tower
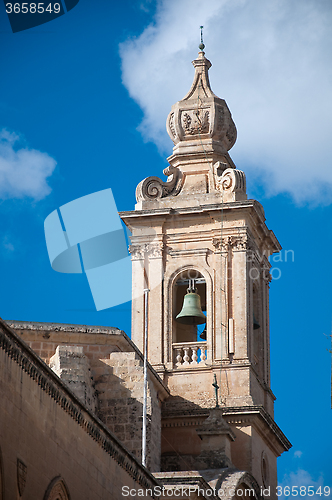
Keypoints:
pixel 198 226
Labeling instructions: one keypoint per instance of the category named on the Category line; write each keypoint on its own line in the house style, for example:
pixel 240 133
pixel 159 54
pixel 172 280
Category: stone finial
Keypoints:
pixel 201 114
pixel 203 131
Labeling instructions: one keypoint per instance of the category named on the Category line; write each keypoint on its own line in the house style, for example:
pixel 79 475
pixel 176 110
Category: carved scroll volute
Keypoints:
pixel 153 188
pixel 231 182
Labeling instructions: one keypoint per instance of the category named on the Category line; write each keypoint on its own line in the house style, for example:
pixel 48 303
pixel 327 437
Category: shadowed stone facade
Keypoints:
pixel 51 446
pixel 108 363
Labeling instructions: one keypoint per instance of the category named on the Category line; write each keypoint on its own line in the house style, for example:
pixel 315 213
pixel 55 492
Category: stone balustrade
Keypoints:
pixel 189 354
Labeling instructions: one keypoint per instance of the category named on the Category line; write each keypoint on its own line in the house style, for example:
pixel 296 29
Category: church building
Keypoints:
pixel 71 417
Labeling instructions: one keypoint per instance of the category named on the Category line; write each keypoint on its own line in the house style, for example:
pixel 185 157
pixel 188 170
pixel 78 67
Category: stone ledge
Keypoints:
pixel 196 209
pixel 246 414
pixel 63 327
pixel 235 415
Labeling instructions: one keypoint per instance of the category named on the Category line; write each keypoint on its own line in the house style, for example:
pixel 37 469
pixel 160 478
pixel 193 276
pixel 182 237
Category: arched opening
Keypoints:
pixel 186 332
pixel 265 470
pixel 244 491
pixel 57 490
pixel 245 487
pixel 189 340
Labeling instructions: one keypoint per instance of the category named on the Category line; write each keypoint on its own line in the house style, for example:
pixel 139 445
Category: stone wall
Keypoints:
pixel 115 393
pixel 121 405
pixel 72 366
pixel 49 441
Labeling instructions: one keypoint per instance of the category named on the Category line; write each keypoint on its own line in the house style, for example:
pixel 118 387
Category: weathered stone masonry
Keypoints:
pixel 50 430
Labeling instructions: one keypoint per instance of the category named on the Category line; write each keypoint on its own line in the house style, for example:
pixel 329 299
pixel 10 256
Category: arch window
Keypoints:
pixel 265 469
pixel 189 340
pixel 57 490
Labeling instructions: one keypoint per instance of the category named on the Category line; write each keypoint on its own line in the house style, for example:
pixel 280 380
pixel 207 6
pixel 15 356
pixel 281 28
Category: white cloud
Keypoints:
pixel 271 62
pixel 7 245
pixel 23 172
pixel 298 454
pixel 302 478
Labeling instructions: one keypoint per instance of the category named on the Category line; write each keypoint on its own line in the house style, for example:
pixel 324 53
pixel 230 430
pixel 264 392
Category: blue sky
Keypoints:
pixel 85 98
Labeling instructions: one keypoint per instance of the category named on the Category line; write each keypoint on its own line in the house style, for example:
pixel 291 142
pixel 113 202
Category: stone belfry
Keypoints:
pixel 199 225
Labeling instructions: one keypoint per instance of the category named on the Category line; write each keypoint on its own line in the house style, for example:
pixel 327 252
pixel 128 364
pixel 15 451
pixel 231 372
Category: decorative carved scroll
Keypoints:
pixel 240 242
pixel 196 121
pixel 231 181
pixel 236 242
pixel 153 250
pixel 153 188
pixel 221 246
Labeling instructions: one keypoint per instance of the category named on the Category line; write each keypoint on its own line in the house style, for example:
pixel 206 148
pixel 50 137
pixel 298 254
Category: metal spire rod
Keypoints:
pixel 216 388
pixel 201 45
pixel 145 390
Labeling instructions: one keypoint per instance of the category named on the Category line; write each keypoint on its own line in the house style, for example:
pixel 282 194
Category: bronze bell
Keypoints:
pixel 256 324
pixel 191 312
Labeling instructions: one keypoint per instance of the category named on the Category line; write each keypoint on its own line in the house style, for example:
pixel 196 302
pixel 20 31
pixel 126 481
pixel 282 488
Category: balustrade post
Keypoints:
pixel 194 355
pixel 186 357
pixel 179 358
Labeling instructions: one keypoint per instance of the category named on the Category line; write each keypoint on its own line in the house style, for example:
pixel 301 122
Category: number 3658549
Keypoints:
pixel 32 8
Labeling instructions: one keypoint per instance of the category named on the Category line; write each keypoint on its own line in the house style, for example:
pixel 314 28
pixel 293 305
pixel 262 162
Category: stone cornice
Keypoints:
pixel 234 205
pixel 16 349
pixel 252 207
pixel 235 415
pixel 63 327
pixel 238 415
pixel 182 422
